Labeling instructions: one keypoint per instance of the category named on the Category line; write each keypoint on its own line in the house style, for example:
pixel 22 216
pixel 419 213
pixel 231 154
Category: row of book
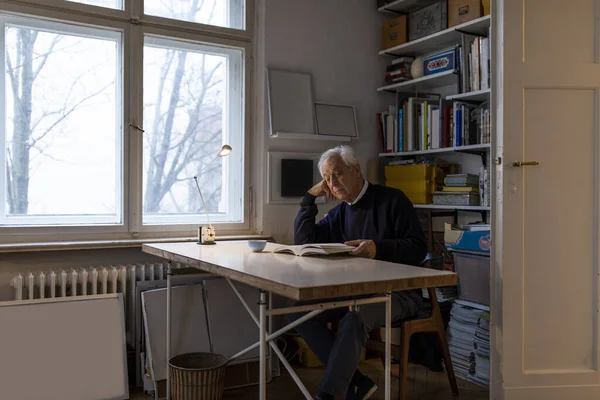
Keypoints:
pixel 426 124
pixel 474 63
pixel 469 341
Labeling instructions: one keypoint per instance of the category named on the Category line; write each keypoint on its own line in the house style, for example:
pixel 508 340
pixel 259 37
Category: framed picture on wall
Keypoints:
pixel 336 120
pixel 290 175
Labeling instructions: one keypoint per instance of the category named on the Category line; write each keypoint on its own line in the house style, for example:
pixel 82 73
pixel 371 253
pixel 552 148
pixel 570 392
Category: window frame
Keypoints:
pixel 82 31
pixel 133 25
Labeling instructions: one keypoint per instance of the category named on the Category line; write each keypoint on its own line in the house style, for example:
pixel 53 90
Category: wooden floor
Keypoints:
pixel 422 385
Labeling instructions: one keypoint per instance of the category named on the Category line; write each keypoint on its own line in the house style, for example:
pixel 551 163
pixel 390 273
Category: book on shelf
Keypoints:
pixel 484 186
pixel 399 70
pixel 473 55
pixel 428 123
pixel 311 249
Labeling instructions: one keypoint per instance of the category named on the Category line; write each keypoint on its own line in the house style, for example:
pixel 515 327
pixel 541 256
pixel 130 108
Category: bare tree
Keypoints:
pixel 28 133
pixel 171 152
pixel 174 152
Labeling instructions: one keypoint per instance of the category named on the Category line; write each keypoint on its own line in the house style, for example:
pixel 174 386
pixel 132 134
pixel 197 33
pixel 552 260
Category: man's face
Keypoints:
pixel 344 182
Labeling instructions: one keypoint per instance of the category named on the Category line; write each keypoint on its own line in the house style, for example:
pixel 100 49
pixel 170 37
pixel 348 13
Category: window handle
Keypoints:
pixel 137 127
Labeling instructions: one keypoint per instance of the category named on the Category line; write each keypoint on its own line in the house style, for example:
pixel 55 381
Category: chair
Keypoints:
pixel 434 324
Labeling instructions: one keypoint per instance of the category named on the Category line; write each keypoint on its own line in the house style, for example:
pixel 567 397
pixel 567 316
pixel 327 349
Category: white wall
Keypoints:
pixel 337 42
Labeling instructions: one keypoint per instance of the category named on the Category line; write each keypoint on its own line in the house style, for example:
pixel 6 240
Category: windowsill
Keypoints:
pixel 109 244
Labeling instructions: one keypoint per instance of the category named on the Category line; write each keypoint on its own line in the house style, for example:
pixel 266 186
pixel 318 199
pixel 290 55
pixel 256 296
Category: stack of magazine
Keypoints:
pixel 468 340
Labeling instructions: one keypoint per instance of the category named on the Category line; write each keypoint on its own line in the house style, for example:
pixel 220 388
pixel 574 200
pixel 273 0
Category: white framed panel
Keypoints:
pixel 61 348
pixel 290 100
pixel 336 120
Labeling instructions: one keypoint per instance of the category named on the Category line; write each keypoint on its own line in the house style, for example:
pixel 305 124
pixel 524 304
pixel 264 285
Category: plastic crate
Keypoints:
pixel 473 277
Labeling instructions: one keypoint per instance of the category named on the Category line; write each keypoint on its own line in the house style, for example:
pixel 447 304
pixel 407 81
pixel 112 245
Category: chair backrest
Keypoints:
pixel 434 260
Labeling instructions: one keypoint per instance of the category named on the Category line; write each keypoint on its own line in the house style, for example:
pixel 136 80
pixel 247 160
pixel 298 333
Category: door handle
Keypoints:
pixel 524 163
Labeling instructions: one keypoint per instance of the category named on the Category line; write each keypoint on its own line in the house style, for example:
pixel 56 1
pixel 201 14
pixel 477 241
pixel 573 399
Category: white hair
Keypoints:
pixel 345 152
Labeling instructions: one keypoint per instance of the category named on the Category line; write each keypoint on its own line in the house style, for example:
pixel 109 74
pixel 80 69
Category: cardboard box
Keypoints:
pixel 428 20
pixel 394 32
pixel 479 241
pixel 461 11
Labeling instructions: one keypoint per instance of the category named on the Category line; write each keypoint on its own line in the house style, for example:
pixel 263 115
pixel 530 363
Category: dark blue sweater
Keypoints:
pixel 384 215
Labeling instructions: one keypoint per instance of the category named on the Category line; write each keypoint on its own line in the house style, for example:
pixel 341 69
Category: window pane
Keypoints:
pixel 224 13
pixel 192 106
pixel 116 4
pixel 62 140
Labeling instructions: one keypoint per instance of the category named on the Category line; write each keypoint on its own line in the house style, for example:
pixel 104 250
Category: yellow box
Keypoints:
pixel 418 181
pixel 486 6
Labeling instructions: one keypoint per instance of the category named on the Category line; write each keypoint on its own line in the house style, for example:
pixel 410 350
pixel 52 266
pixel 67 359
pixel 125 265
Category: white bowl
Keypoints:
pixel 257 245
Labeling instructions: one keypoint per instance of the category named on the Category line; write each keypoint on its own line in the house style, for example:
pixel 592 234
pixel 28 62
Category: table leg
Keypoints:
pixel 274 347
pixel 263 346
pixel 388 347
pixel 169 277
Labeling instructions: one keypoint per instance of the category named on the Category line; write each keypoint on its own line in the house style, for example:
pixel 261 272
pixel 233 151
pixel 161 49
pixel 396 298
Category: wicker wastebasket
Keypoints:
pixel 197 376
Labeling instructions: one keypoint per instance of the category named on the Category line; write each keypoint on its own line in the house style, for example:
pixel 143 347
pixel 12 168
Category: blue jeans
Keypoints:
pixel 341 354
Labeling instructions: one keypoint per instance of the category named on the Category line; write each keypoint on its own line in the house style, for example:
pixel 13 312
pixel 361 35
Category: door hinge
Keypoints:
pixel 498 160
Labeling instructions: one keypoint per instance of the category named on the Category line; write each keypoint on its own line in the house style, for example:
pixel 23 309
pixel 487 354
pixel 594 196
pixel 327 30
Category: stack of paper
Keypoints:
pixel 462 332
pixel 443 294
pixel 482 351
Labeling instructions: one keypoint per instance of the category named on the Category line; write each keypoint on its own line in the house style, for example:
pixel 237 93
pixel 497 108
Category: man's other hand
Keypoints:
pixel 321 189
pixel 364 248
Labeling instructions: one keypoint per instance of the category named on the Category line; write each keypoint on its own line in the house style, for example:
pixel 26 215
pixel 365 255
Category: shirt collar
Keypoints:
pixel 361 194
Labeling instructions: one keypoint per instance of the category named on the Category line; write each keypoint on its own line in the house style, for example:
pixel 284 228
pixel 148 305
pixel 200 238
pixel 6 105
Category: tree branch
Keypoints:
pixel 66 115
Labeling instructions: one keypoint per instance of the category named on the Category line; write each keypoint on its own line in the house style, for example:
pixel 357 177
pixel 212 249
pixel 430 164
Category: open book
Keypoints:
pixel 312 249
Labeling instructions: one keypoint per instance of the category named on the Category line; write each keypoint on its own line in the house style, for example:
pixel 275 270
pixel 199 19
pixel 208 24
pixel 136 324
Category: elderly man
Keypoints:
pixel 382 224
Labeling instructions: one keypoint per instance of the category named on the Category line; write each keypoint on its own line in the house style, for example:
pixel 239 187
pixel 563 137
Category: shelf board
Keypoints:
pixel 440 40
pixel 429 82
pixel 309 136
pixel 404 6
pixel 479 96
pixel 473 147
pixel 444 207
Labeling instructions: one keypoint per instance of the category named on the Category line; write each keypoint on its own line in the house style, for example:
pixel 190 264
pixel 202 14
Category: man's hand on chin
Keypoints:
pixel 321 189
pixel 364 248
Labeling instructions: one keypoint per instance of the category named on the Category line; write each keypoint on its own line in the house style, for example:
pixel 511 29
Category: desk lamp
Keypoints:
pixel 206 234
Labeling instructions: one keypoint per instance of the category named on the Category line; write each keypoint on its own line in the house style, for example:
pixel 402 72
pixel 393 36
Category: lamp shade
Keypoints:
pixel 225 150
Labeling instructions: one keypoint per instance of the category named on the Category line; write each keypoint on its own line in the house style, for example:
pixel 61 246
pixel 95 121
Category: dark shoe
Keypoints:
pixel 363 391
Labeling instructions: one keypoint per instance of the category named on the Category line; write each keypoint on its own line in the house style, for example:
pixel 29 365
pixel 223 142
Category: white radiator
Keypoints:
pixel 90 281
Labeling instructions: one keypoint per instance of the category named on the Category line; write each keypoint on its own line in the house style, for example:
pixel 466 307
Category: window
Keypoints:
pixel 109 116
pixel 190 110
pixel 224 13
pixel 117 4
pixel 63 129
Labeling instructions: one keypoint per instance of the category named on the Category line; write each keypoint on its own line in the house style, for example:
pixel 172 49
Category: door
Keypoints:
pixel 546 235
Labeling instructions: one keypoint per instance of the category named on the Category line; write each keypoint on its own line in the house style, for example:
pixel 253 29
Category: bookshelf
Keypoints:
pixel 447 86
pixel 440 40
pixel 404 6
pixel 471 148
pixel 445 207
pixel 476 96
pixel 424 83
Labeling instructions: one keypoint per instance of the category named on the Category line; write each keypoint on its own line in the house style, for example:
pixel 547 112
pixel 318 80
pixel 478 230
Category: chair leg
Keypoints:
pixel 403 363
pixel 448 361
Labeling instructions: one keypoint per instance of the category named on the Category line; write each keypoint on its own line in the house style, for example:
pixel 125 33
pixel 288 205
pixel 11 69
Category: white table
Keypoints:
pixel 298 278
